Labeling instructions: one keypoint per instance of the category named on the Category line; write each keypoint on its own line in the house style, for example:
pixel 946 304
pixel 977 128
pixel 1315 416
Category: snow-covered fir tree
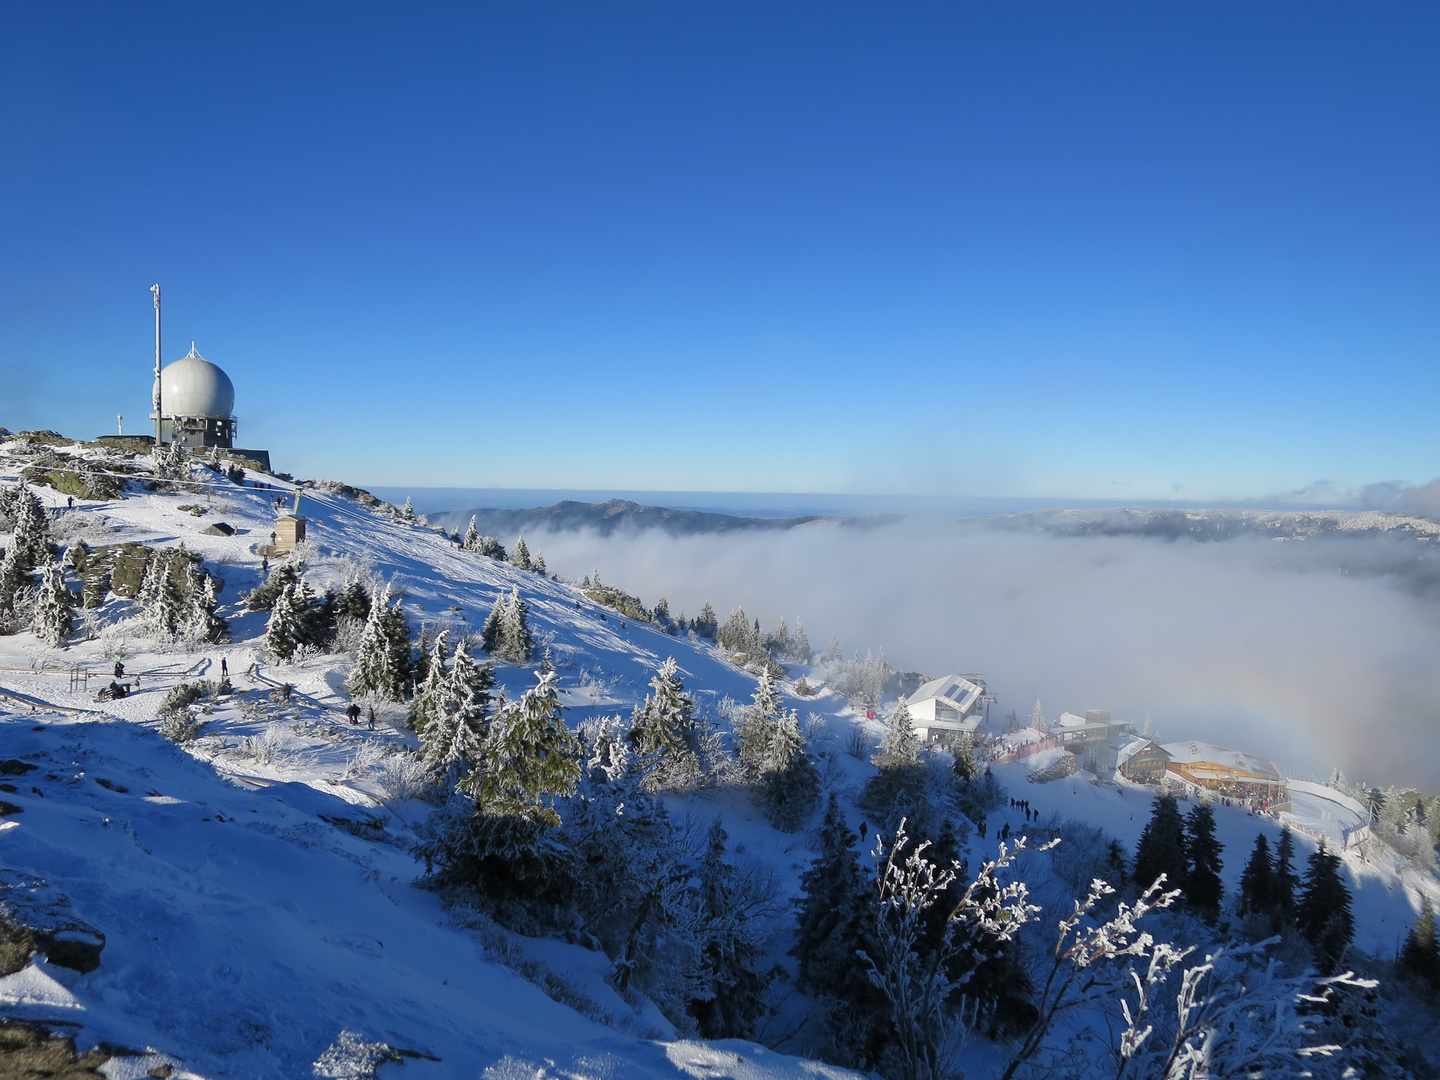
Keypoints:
pixel 283 631
pixel 898 746
pixel 520 555
pixel 662 730
pixel 1037 719
pixel 490 632
pixel 162 607
pixel 453 739
pixel 735 635
pixel 757 728
pixel 538 564
pixel 515 642
pixel 53 608
pixel 529 759
pixel 730 1001
pixel 31 537
pixel 788 790
pixel 430 693
pixel 375 670
pixel 472 536
pixel 707 623
pixel 800 645
pixel 407 512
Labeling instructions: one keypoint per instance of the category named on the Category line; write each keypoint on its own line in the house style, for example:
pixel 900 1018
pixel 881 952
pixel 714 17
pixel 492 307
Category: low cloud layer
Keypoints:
pixel 1316 653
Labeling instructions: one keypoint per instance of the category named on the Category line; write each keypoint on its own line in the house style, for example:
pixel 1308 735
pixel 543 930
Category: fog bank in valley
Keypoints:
pixel 1315 653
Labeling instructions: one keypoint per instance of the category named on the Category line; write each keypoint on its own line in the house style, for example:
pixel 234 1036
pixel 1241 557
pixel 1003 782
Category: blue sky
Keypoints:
pixel 1086 251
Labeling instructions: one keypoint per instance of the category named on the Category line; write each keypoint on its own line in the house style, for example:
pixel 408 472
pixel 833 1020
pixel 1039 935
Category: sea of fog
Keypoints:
pixel 1317 653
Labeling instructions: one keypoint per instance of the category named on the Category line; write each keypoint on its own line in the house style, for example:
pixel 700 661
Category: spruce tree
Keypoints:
pixel 833 924
pixel 1203 888
pixel 472 536
pixel 1162 847
pixel 707 623
pixel 529 759
pixel 430 694
pixel 538 565
pixel 368 674
pixel 734 636
pixel 162 606
pixel 1286 881
pixel 31 539
pixel 520 555
pixel 398 658
pixel 757 727
pixel 53 617
pixel 1257 881
pixel 407 512
pixel 966 768
pixel 14 579
pixel 730 1000
pixel 1420 955
pixel 516 645
pixel 490 632
pixel 1037 719
pixel 282 632
pixel 468 692
pixel 1323 914
pixel 663 729
pixel 800 645
pixel 899 746
pixel 789 786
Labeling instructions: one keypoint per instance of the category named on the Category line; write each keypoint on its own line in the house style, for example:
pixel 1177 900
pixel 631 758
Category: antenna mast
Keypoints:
pixel 156 397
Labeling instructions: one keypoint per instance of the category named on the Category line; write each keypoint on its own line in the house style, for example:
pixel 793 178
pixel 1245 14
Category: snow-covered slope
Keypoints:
pixel 256 887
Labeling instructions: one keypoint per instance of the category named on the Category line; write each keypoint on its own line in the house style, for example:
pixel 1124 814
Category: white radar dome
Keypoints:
pixel 193 386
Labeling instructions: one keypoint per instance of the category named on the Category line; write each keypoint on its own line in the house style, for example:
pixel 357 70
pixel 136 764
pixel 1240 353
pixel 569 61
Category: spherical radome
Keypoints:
pixel 193 386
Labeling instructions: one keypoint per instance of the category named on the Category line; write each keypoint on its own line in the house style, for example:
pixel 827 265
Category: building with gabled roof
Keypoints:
pixel 1226 771
pixel 945 706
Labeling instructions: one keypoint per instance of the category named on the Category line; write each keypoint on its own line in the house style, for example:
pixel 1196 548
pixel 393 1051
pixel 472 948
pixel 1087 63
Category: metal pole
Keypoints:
pixel 156 290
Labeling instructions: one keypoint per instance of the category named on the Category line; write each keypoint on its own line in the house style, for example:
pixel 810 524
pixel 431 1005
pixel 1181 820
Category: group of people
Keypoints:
pixel 353 713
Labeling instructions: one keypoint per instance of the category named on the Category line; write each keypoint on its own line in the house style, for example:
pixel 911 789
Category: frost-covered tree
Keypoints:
pixel 373 671
pixel 663 730
pixel 430 693
pixel 1323 913
pixel 898 746
pixel 735 635
pixel 31 539
pixel 472 536
pixel 1037 719
pixel 1162 846
pixel 965 767
pixel 490 632
pixel 757 728
pixel 202 601
pixel 520 555
pixel 53 608
pixel 515 642
pixel 730 999
pixel 538 564
pixel 1203 888
pixel 800 645
pixel 529 759
pixel 453 738
pixel 162 606
pixel 407 512
pixel 14 580
pixel 283 632
pixel 788 789
pixel 707 623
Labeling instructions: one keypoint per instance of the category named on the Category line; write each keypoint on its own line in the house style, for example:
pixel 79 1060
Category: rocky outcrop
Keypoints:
pixel 36 918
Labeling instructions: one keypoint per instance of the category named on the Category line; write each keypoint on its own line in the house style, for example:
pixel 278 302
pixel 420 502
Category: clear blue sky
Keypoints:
pixel 1087 250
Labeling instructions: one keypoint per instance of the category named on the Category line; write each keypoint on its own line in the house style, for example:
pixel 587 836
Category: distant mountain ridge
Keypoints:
pixel 609 517
pixel 1215 525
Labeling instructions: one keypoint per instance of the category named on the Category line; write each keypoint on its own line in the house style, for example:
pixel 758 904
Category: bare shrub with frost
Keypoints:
pixel 402 777
pixel 267 748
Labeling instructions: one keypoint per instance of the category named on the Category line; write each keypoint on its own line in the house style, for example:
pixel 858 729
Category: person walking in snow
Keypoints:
pixel 371 712
pixel 119 670
pixel 224 668
pixel 353 712
pixel 264 564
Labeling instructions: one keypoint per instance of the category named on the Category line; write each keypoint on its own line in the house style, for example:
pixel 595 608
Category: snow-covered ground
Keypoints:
pixel 252 915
